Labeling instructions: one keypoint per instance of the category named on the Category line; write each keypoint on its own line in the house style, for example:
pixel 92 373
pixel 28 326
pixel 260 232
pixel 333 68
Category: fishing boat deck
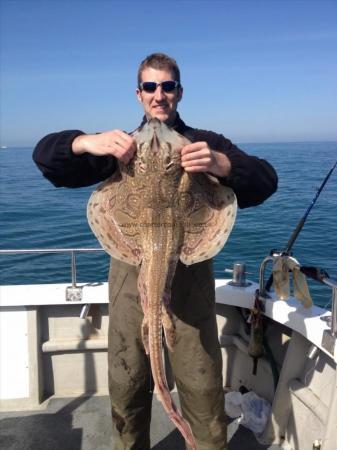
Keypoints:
pixel 84 423
pixel 48 350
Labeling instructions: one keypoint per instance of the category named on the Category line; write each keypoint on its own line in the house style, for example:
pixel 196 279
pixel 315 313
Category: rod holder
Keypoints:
pixel 262 284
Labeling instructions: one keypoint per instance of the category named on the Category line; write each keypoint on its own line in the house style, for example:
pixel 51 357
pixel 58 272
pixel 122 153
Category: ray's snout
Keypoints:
pixel 155 144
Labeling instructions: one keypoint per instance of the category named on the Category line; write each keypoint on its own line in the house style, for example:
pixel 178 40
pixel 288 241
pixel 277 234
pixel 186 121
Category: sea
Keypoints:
pixel 36 215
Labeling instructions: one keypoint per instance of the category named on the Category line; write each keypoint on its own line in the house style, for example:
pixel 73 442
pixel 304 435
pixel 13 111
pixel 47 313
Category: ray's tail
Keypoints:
pixel 156 275
pixel 158 373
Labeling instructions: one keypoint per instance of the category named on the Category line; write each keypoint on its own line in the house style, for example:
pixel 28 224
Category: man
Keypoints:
pixel 74 159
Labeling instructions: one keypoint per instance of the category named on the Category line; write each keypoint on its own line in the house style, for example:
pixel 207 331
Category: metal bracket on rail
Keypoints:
pixel 74 293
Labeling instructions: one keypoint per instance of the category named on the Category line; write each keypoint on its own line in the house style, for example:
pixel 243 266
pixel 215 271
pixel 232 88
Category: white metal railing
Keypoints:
pixel 72 252
pixel 73 291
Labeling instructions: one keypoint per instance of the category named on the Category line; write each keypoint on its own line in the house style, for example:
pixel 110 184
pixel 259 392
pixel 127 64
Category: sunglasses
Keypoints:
pixel 151 86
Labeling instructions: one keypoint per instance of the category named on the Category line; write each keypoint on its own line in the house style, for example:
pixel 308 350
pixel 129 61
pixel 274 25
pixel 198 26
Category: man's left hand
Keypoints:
pixel 198 157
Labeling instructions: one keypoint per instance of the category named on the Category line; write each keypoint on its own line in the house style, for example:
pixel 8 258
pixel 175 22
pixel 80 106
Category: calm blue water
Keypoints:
pixel 34 214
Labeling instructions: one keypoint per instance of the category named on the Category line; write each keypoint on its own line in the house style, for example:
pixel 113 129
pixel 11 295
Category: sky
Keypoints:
pixel 255 71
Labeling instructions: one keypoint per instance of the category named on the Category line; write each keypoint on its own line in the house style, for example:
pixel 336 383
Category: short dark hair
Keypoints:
pixel 159 61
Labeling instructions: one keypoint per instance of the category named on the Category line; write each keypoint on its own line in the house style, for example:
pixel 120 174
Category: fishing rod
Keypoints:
pixel 300 224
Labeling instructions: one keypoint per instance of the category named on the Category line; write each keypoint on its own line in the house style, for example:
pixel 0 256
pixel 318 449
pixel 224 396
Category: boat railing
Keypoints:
pixel 74 291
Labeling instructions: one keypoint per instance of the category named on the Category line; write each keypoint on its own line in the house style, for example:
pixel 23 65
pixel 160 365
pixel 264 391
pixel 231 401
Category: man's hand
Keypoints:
pixel 198 157
pixel 116 143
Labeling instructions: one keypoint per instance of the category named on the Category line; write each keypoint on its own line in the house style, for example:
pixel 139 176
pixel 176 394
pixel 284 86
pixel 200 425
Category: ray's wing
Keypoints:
pixel 113 215
pixel 209 210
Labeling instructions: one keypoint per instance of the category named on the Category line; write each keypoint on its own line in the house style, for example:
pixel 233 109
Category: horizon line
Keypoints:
pixel 287 141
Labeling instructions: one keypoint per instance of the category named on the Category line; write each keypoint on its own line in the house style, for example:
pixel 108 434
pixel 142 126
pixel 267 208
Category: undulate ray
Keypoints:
pixel 151 213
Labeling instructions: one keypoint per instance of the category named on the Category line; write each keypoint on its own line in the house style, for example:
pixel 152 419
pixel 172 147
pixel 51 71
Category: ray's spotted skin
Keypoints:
pixel 152 213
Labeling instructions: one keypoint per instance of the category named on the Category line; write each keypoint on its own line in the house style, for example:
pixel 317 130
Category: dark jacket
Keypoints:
pixel 252 179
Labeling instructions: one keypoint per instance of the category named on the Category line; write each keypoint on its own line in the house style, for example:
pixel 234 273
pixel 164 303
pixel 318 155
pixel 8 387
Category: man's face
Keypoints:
pixel 159 104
